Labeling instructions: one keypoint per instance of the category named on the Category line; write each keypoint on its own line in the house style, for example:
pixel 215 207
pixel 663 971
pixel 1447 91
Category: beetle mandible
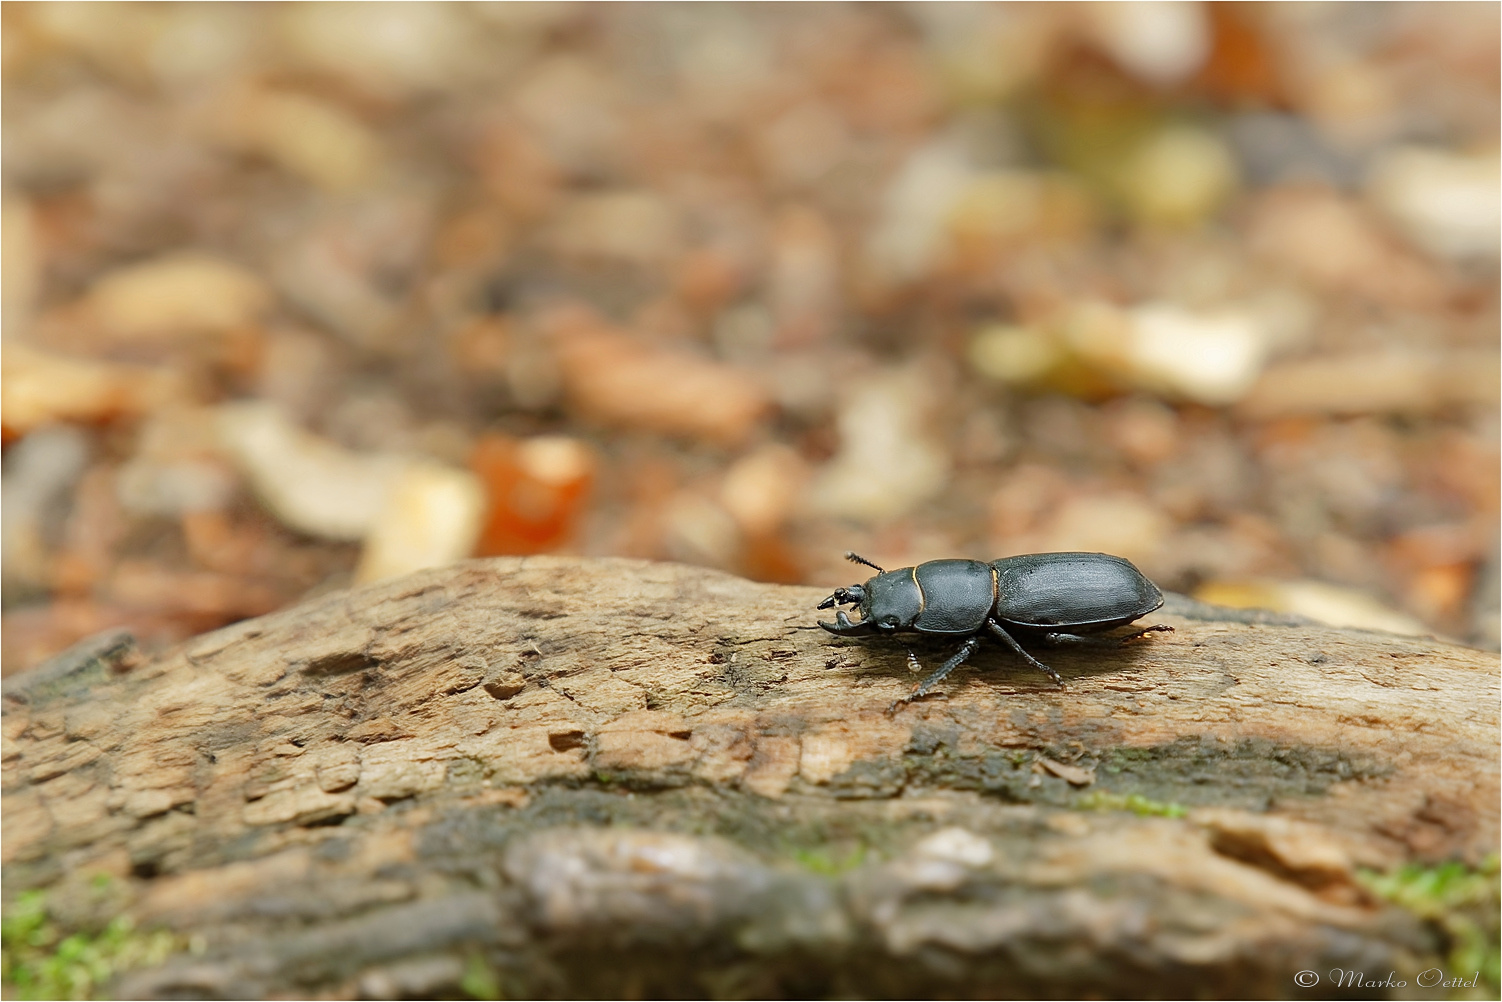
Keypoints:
pixel 1058 598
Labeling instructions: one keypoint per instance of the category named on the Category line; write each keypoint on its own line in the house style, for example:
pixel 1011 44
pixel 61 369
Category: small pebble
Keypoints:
pixel 1209 357
pixel 307 482
pixel 42 388
pixel 343 268
pixel 1178 176
pixel 504 683
pixel 697 530
pixel 1333 243
pixel 804 279
pixel 1446 203
pixel 1157 41
pixel 1144 430
pixel 888 461
pixel 40 473
pixel 957 845
pixel 178 295
pixel 1004 211
pixel 1123 524
pixel 174 487
pixel 1377 382
pixel 804 143
pixel 616 379
pixel 536 491
pixel 908 236
pixel 1009 354
pixel 630 227
pixel 431 517
pixel 761 490
pixel 312 138
pixel 22 272
pixel 390 50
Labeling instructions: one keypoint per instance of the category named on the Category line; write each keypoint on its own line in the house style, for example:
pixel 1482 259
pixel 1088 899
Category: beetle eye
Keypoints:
pixel 890 621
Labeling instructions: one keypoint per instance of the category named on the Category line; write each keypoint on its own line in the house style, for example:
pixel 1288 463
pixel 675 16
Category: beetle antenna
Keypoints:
pixel 856 558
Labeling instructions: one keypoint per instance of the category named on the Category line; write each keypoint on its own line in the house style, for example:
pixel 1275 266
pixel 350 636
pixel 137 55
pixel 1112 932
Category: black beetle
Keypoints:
pixel 1053 597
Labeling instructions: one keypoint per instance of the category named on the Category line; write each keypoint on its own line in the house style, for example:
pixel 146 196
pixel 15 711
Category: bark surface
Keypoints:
pixel 560 777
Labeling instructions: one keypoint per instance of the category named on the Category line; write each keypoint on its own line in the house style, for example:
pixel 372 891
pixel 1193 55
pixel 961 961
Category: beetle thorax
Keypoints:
pixel 893 600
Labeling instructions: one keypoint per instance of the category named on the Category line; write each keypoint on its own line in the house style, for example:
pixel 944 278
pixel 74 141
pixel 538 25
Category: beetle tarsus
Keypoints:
pixel 1011 642
pixel 899 704
pixel 1060 638
pixel 910 697
pixel 960 656
pixel 922 688
pixel 1156 628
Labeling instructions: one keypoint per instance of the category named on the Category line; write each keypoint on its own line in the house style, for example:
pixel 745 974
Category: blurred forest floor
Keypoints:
pixel 303 295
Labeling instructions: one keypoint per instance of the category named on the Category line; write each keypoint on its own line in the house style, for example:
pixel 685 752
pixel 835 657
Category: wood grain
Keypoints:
pixel 610 777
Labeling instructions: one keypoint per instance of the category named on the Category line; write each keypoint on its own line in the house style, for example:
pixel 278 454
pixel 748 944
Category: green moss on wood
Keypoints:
pixel 42 961
pixel 831 860
pixel 1100 800
pixel 480 980
pixel 1462 902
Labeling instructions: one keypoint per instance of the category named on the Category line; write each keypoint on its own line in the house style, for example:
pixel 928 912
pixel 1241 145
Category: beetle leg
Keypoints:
pixel 1075 638
pixel 1097 641
pixel 1158 628
pixel 995 628
pixel 922 688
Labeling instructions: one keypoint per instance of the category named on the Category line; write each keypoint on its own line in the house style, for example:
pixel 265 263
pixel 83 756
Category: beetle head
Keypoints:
pixel 889 602
pixel 854 595
pixel 843 625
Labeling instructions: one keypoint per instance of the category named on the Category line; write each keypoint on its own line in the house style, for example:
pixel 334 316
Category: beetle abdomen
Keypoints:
pixel 1072 590
pixel 958 595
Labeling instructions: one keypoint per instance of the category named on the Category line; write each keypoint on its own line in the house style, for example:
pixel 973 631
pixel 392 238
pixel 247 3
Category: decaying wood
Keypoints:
pixel 606 777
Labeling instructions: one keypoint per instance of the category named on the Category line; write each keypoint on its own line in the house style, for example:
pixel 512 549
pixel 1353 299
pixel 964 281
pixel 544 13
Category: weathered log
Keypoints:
pixel 559 777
